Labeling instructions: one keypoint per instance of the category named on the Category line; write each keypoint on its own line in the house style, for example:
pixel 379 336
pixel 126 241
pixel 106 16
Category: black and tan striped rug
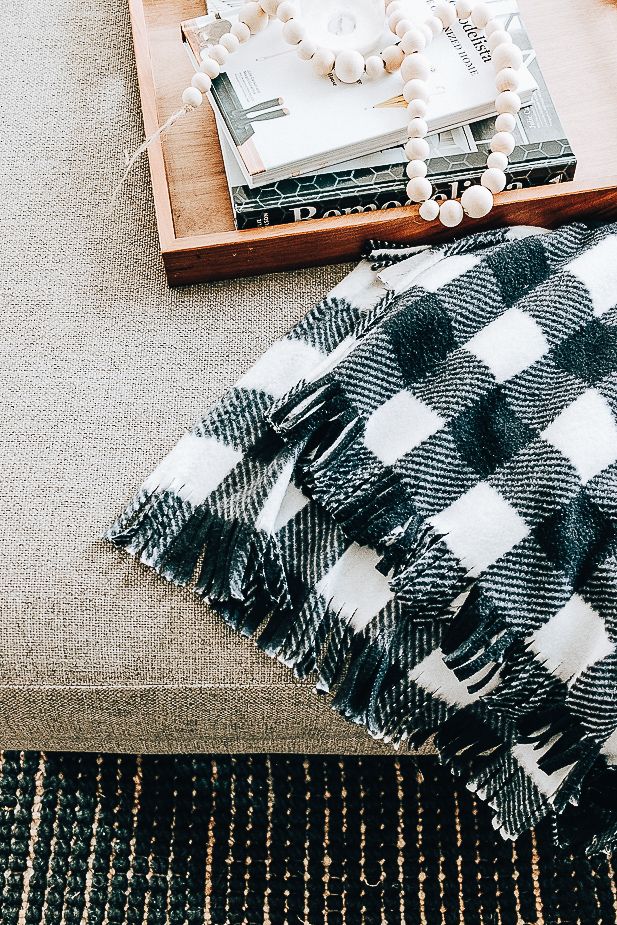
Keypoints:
pixel 109 840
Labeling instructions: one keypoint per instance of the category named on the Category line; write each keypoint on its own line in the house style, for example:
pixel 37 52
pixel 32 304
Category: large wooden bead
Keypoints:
pixel 349 66
pixel 494 179
pixel 415 67
pixel 413 40
pixel 210 67
pixel 374 66
pixel 417 149
pixel 192 97
pixel 416 169
pixel 477 201
pixel 293 31
pixel 429 210
pixel 254 17
pixel 219 54
pixel 435 25
pixel 503 143
pixel 428 32
pixel 417 128
pixel 306 49
pixel 286 11
pixel 508 102
pixel 230 42
pixel 498 160
pixel 507 55
pixel 202 82
pixel 394 19
pixel 445 11
pixel 241 31
pixel 498 37
pixel 403 26
pixel 480 15
pixel 463 8
pixel 323 61
pixel 270 6
pixel 491 26
pixel 419 189
pixel 392 58
pixel 451 213
pixel 417 109
pixel 415 89
pixel 505 122
pixel 507 79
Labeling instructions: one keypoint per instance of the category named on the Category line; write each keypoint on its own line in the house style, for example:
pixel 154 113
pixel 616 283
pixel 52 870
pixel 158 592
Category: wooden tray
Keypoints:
pixel 576 42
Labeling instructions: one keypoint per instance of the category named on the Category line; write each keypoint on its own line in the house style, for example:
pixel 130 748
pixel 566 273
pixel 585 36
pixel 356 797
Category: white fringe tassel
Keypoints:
pixel 144 147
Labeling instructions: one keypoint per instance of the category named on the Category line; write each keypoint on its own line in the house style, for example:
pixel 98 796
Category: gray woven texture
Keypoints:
pixel 102 368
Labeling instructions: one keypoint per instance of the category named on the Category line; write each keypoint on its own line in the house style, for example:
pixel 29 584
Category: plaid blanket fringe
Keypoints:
pixel 267 575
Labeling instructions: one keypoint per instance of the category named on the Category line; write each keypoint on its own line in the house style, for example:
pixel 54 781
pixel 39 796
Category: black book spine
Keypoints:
pixel 371 199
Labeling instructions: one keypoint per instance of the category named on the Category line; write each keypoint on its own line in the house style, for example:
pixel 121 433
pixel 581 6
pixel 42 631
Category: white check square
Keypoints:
pixel 572 640
pixel 586 434
pixel 354 587
pixel 400 425
pixel 509 344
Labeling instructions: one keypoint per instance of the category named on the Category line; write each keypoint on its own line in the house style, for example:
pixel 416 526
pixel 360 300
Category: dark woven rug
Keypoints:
pixel 96 840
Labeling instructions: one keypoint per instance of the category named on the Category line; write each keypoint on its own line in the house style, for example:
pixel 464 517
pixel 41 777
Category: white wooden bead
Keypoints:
pixel 507 79
pixel 480 15
pixel 505 122
pixel 293 31
pixel 192 97
pixel 417 109
pixel 419 189
pixel 451 213
pixel 417 149
pixel 349 66
pixel 253 16
pixel 477 201
pixel 219 54
pixel 494 179
pixel 412 41
pixel 463 8
pixel 287 10
pixel 491 26
pixel 445 11
pixel 508 102
pixel 416 169
pixel 306 49
pixel 503 143
pixel 394 19
pixel 415 67
pixel 429 210
pixel 374 66
pixel 415 90
pixel 392 58
pixel 323 61
pixel 498 37
pixel 417 128
pixel 230 42
pixel 403 26
pixel 507 55
pixel 210 67
pixel 427 32
pixel 435 25
pixel 241 31
pixel 202 82
pixel 498 160
pixel 270 6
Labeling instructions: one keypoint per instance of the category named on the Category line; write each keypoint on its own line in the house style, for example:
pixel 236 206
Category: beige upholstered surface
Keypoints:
pixel 102 367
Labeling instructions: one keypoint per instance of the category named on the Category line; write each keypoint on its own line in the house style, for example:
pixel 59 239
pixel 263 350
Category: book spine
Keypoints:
pixel 373 199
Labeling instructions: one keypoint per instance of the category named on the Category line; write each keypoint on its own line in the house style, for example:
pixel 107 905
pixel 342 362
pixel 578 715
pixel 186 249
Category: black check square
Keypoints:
pixel 420 336
pixel 517 277
pixel 590 353
pixel 576 538
pixel 489 433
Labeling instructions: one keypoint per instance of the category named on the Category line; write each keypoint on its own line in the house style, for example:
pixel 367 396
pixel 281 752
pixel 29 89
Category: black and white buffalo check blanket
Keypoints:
pixel 412 497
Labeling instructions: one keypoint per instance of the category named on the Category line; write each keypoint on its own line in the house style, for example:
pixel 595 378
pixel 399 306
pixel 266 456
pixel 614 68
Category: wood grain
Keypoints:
pixel 575 42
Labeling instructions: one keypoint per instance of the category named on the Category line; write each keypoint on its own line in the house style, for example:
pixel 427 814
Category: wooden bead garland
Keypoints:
pixel 407 55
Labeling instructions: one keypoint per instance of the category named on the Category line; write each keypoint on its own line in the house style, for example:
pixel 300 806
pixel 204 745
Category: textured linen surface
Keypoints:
pixel 412 497
pixel 99 375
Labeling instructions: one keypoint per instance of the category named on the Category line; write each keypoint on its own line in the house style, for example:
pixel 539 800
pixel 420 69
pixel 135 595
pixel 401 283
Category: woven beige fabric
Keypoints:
pixel 102 368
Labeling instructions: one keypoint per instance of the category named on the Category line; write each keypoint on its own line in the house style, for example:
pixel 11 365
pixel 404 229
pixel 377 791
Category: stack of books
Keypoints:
pixel 297 146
